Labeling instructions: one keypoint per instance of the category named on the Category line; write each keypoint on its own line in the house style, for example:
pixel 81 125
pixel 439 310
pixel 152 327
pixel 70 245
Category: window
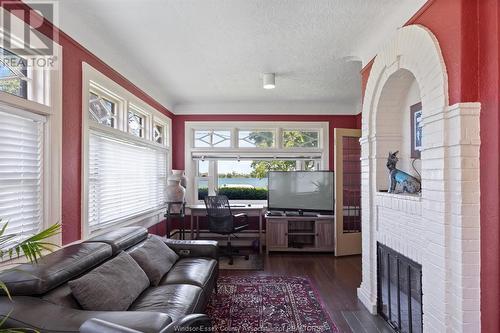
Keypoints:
pixel 102 110
pixel 255 138
pixel 235 158
pixel 30 137
pixel 136 122
pixel 245 179
pixel 212 138
pixel 125 179
pixel 300 138
pixel 13 74
pixel 126 158
pixel 21 172
pixel 159 133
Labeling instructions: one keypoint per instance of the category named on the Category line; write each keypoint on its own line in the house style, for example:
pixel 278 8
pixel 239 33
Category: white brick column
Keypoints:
pixel 440 229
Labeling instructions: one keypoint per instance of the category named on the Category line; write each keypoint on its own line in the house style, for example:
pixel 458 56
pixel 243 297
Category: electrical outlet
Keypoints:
pixel 184 252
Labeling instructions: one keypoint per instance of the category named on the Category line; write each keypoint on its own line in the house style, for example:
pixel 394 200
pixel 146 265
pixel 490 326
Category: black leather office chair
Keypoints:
pixel 221 221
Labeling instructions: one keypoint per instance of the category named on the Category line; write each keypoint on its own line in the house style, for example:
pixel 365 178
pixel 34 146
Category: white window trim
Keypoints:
pixel 91 77
pixel 234 126
pixel 45 98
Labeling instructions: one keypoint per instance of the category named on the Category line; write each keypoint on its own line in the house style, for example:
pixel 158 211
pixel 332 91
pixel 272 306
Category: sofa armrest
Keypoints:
pixel 194 248
pixel 43 316
pixel 191 323
pixel 100 326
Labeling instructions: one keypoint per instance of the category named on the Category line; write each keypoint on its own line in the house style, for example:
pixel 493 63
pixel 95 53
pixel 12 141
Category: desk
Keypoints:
pixel 253 210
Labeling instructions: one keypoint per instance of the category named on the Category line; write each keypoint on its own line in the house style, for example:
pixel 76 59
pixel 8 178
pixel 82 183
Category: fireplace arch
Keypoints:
pixel 439 229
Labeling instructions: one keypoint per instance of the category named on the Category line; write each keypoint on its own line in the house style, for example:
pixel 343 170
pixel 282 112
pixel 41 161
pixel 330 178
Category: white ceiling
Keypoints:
pixel 206 56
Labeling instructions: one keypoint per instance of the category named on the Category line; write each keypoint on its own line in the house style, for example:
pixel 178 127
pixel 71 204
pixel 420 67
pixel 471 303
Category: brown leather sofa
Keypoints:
pixel 42 299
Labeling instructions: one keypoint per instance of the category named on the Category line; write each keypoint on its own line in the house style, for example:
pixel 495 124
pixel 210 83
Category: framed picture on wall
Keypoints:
pixel 416 130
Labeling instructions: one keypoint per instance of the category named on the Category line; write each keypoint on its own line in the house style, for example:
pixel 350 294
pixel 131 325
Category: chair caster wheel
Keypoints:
pixel 247 257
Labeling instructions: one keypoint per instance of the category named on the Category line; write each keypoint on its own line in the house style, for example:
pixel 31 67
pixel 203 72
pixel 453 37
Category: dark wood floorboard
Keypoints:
pixel 336 280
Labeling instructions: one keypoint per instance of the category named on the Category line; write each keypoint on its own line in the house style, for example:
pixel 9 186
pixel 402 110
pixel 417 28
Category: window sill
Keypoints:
pixel 145 220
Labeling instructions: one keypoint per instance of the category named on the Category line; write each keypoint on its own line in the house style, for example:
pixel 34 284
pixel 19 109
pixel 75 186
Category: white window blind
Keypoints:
pixel 125 179
pixel 21 145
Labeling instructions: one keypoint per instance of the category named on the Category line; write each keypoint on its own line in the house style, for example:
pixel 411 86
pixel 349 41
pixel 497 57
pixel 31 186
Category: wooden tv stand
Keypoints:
pixel 300 233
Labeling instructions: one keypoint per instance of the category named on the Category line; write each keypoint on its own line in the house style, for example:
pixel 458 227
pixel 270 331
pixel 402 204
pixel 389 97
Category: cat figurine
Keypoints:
pixel 406 182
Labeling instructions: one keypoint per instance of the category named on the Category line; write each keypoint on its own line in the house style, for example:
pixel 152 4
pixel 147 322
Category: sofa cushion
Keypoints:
pixel 176 300
pixel 155 258
pixel 62 296
pixel 54 269
pixel 122 238
pixel 195 271
pixel 113 286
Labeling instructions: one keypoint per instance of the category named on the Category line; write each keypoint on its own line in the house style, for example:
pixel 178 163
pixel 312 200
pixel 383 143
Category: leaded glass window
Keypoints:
pixel 136 124
pixel 159 133
pixel 300 139
pixel 102 110
pixel 252 139
pixel 13 74
pixel 207 138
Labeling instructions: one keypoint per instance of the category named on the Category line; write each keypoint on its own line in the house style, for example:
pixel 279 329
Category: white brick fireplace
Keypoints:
pixel 438 229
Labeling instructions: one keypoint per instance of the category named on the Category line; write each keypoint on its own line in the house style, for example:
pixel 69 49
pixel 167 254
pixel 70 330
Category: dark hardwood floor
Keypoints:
pixel 336 280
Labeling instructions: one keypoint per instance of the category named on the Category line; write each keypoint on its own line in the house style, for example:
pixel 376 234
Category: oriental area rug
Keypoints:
pixel 271 304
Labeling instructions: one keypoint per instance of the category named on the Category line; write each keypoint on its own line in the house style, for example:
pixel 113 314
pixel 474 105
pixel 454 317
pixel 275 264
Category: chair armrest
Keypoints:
pixel 194 248
pixel 191 323
pixel 100 326
pixel 242 216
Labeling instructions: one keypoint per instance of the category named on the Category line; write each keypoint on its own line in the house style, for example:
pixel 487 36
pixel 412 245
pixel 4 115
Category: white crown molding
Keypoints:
pixel 288 108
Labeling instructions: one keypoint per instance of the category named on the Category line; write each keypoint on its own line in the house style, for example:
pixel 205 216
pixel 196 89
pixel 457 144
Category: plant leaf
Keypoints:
pixel 6 290
pixel 33 246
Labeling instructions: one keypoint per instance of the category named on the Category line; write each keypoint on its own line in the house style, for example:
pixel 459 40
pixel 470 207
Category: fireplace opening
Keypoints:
pixel 399 286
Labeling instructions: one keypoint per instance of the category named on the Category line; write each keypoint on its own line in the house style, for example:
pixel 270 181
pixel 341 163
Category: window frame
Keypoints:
pixel 44 97
pixel 273 130
pixel 146 117
pixel 102 92
pixel 277 151
pixel 290 129
pixel 125 101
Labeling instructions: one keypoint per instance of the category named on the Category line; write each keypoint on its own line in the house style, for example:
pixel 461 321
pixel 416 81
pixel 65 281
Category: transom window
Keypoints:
pixel 102 110
pixel 136 124
pixel 13 74
pixel 235 159
pixel 159 133
pixel 210 138
pixel 300 139
pixel 256 138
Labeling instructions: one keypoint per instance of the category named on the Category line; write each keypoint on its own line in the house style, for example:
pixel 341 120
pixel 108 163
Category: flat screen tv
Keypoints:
pixel 308 191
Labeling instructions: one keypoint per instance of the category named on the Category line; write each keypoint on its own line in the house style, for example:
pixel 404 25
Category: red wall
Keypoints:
pixel 73 56
pixel 453 22
pixel 468 33
pixel 489 80
pixel 178 128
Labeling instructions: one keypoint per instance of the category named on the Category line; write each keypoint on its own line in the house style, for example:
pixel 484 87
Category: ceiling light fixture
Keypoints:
pixel 268 80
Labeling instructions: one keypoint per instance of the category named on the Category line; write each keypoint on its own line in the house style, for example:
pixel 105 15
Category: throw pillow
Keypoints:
pixel 113 286
pixel 155 258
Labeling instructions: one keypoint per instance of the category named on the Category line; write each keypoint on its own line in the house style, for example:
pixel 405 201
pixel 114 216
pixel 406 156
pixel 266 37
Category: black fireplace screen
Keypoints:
pixel 399 290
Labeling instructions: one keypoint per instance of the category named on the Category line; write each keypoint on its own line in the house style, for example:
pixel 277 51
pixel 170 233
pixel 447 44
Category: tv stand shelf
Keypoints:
pixel 299 233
